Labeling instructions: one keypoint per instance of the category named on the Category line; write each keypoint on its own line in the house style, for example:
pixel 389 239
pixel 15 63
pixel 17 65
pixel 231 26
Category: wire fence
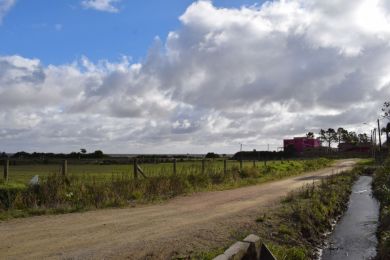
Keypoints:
pixel 22 171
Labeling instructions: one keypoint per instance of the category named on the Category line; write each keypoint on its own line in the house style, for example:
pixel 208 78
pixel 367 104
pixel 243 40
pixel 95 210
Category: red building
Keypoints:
pixel 301 143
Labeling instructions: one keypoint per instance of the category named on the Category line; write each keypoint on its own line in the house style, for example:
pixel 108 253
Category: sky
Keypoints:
pixel 182 76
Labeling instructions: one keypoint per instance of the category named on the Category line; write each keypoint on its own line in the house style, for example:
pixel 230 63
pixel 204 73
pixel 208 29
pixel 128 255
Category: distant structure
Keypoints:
pixel 355 147
pixel 300 144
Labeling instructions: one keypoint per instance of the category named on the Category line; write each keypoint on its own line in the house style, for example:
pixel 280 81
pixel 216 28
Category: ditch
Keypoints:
pixel 354 236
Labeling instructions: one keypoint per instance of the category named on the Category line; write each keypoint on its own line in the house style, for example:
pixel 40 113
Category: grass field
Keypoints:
pixel 21 174
pixel 91 186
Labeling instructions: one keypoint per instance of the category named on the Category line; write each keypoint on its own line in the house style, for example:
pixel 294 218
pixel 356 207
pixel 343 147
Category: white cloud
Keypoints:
pixel 101 5
pixel 5 7
pixel 58 27
pixel 252 75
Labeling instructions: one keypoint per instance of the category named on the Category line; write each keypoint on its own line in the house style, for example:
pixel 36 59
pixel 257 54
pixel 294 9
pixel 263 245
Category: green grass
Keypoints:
pixel 366 162
pixel 289 252
pixel 306 215
pixel 23 173
pixel 99 186
pixel 381 187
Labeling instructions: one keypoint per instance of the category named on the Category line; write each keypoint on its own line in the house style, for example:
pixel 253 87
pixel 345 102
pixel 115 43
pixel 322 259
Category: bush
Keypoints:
pixel 9 194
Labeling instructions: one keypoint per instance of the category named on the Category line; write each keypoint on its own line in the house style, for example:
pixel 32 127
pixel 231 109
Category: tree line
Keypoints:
pixel 73 155
pixel 340 135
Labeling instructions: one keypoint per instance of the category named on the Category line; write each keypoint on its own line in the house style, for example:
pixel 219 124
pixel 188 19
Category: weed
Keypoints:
pixel 261 218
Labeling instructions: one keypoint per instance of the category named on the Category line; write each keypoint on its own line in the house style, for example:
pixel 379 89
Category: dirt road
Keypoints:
pixel 153 231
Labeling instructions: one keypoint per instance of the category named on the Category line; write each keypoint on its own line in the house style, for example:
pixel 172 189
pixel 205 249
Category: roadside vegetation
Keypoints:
pixel 381 186
pixel 296 228
pixel 78 192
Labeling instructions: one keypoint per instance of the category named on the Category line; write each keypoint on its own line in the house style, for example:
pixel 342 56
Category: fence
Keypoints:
pixel 23 170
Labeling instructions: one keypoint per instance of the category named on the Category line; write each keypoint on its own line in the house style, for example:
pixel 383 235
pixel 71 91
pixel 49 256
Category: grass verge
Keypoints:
pixel 59 194
pixel 295 228
pixel 381 187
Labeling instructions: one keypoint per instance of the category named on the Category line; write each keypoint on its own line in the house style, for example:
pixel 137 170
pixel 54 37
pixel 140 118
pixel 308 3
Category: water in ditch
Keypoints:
pixel 354 235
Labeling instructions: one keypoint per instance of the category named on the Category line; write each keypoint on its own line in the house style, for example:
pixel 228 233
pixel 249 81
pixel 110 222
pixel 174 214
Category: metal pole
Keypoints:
pixel 379 133
pixel 372 143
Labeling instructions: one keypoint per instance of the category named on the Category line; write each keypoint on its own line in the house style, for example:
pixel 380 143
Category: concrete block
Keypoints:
pixel 221 257
pixel 237 251
pixel 253 239
pixel 254 246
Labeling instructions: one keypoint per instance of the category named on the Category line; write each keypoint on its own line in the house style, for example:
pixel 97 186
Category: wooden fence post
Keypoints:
pixel 64 167
pixel 203 166
pixel 224 167
pixel 254 163
pixel 135 168
pixel 240 165
pixel 6 170
pixel 174 166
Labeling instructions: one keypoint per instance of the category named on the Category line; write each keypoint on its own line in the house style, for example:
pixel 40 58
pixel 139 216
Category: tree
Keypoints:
pixel 352 138
pixel 363 138
pixel 310 135
pixel 386 130
pixel 386 110
pixel 211 155
pixel 329 136
pixel 342 135
pixel 83 151
pixel 98 154
pixel 346 136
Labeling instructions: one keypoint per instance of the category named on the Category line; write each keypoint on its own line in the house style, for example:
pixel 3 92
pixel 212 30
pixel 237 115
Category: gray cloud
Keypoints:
pixel 226 76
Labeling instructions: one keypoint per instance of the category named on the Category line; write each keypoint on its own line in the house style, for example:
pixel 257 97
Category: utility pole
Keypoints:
pixel 371 137
pixel 379 133
pixel 372 142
